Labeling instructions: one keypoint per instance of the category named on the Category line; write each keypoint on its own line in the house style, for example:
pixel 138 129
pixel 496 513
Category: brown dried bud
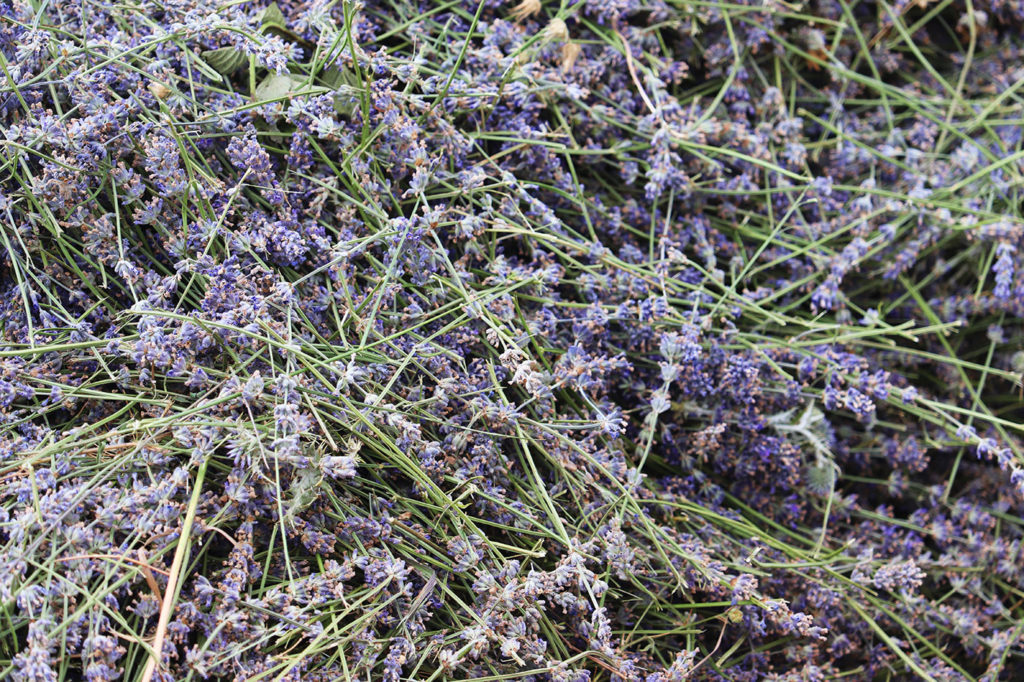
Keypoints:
pixel 159 90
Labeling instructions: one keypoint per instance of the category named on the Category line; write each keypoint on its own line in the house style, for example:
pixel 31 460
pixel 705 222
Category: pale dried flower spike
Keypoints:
pixel 556 31
pixel 570 52
pixel 525 9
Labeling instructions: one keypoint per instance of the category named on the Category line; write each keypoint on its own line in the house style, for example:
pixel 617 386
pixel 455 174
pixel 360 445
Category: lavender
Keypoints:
pixel 594 341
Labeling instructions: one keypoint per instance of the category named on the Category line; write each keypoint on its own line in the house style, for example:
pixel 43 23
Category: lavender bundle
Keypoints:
pixel 592 341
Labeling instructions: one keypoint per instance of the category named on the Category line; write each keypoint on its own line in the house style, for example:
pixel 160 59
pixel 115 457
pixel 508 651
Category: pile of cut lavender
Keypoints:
pixel 609 341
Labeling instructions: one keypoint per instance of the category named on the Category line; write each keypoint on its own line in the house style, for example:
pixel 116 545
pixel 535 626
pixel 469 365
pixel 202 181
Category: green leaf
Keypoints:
pixel 206 69
pixel 335 78
pixel 276 86
pixel 225 60
pixel 273 87
pixel 345 105
pixel 272 17
pixel 272 22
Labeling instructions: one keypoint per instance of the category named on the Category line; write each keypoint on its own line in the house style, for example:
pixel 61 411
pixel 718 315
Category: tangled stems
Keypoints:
pixel 599 341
